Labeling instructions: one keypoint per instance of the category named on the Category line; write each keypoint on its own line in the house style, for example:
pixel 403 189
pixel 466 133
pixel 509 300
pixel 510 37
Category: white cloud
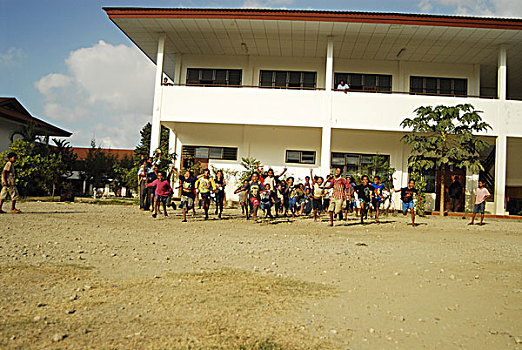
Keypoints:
pixel 107 94
pixel 267 3
pixel 52 81
pixel 491 8
pixel 11 56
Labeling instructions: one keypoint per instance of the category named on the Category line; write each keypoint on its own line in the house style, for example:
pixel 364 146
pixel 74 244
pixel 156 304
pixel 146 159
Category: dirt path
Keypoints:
pixel 93 276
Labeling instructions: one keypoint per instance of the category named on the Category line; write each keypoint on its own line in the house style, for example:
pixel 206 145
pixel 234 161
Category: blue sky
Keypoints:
pixel 68 64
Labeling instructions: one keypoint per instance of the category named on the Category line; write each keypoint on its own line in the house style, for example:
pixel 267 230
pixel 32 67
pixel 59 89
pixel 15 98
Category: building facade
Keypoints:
pixel 262 83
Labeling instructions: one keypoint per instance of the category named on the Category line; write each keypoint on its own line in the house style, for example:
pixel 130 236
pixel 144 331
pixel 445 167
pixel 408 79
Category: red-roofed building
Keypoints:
pixel 14 117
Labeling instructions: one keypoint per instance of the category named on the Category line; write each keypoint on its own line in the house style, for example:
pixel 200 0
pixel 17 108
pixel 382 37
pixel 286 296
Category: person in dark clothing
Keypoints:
pixel 220 192
pixel 456 191
pixel 365 195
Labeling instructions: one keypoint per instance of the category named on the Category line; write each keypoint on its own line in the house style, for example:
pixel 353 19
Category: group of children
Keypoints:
pixel 274 196
pixel 336 195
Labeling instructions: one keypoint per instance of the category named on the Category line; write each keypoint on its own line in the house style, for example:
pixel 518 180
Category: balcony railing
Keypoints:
pixel 335 90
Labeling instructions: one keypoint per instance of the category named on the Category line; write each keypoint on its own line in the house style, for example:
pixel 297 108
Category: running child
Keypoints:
pixel 317 195
pixel 243 198
pixel 408 203
pixel 267 201
pixel 187 191
pixel 220 192
pixel 161 193
pixel 293 195
pixel 378 195
pixel 254 189
pixel 365 195
pixel 338 184
pixel 481 195
pixel 204 186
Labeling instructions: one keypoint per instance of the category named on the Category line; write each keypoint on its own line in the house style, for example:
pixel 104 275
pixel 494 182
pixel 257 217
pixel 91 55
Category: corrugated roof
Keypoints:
pixel 318 15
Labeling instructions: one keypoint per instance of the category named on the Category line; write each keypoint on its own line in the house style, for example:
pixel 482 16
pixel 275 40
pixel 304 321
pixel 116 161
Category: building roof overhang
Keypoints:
pixel 364 36
pixel 317 15
pixel 13 111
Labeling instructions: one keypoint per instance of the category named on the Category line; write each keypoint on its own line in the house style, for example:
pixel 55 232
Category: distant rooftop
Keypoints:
pixel 12 110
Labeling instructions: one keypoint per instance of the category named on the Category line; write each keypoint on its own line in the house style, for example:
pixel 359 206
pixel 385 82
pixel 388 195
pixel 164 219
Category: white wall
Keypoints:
pixel 267 144
pixel 6 129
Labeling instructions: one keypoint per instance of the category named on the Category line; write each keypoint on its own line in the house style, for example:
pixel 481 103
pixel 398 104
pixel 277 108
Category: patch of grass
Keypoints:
pixel 266 344
pixel 113 202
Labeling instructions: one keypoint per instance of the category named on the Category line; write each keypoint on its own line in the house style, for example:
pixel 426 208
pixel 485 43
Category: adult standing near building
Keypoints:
pixel 8 184
pixel 142 183
pixel 456 191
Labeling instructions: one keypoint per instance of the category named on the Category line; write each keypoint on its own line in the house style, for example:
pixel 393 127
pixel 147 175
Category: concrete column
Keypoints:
pixel 177 69
pixel 326 132
pixel 172 141
pixel 502 73
pixel 328 79
pixel 474 89
pixel 177 162
pixel 326 143
pixel 500 174
pixel 158 90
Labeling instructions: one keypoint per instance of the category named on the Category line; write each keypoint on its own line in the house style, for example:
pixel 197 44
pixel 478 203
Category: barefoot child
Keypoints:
pixel 407 194
pixel 481 195
pixel 161 193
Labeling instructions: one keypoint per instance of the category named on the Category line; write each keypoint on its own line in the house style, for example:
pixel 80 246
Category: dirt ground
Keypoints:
pixel 111 277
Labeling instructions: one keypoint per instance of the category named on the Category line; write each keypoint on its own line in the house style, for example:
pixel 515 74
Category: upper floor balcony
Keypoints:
pixel 315 108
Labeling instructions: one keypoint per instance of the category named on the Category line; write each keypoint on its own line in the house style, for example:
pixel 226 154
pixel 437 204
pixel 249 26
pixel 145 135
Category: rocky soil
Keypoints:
pixel 111 277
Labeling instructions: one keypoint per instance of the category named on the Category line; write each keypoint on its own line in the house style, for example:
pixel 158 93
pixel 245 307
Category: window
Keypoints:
pixel 212 77
pixel 365 82
pixel 356 163
pixel 205 152
pixel 439 86
pixel 300 157
pixel 283 79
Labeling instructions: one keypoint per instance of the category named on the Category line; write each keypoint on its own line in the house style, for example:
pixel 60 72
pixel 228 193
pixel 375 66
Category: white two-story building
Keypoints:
pixel 262 84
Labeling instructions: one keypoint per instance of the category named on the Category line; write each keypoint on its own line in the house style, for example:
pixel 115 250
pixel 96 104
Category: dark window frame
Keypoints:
pixel 436 90
pixel 360 163
pixel 227 153
pixel 288 83
pixel 213 81
pixel 300 161
pixel 377 87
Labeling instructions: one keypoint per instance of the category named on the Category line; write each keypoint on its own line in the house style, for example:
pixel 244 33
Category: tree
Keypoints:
pixel 250 165
pixel 61 162
pixel 98 167
pixel 443 136
pixel 143 148
pixel 33 174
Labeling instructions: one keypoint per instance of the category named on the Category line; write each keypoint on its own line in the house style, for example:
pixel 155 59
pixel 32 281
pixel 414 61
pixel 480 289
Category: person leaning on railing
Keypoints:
pixel 343 86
